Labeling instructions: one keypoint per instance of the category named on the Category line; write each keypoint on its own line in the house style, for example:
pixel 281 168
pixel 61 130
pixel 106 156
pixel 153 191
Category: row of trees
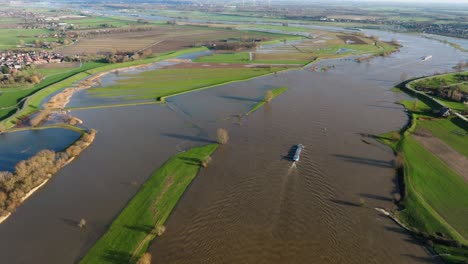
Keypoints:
pixel 32 172
pixel 124 56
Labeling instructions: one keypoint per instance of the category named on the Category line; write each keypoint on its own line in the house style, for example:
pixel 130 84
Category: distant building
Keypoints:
pixel 445 112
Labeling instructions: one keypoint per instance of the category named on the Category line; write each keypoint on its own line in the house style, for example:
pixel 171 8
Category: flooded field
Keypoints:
pixel 250 205
pixel 22 145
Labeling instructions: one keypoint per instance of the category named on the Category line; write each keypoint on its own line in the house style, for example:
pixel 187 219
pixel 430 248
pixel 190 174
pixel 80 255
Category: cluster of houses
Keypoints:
pixel 17 60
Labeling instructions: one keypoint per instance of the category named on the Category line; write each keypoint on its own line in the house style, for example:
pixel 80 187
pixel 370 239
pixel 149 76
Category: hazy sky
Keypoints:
pixel 398 1
pixel 412 1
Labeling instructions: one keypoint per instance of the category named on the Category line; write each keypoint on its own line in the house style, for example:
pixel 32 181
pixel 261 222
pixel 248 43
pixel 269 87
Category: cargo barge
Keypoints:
pixel 297 154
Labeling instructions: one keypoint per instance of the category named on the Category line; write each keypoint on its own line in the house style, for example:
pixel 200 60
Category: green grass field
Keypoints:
pixel 234 57
pixel 451 130
pixel 165 82
pixel 436 200
pixel 435 196
pixel 276 92
pixel 10 38
pixel 130 233
pixel 244 57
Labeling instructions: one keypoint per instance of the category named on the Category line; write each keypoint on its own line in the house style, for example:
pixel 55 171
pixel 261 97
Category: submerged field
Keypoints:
pixel 300 50
pixel 143 218
pixel 164 82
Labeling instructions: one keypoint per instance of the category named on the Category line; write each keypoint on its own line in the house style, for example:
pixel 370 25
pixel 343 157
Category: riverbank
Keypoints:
pixel 433 194
pixel 143 218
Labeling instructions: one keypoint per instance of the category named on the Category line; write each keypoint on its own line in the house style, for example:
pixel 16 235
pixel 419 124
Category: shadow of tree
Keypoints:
pixel 190 138
pixel 376 197
pixel 191 161
pixel 117 257
pixel 140 228
pixel 365 161
pixel 239 98
pixel 347 203
pixel 70 222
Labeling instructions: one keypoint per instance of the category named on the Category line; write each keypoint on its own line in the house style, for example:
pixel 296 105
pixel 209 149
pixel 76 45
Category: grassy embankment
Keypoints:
pixel 129 235
pixel 434 204
pixel 168 82
pixel 275 92
pixel 10 98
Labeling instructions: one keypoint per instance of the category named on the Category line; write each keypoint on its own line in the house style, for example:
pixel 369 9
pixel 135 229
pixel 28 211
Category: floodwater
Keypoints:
pixel 250 205
pixel 83 98
pixel 22 145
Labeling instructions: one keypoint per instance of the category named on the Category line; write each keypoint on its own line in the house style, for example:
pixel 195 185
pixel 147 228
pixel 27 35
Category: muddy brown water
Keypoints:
pixel 250 205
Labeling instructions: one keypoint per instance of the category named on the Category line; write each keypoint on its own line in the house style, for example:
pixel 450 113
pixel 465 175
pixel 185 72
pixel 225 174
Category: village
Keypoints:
pixel 14 61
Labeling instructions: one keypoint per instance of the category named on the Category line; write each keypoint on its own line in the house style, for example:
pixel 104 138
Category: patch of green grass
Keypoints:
pixel 453 133
pixel 243 57
pixel 416 105
pixel 276 92
pixel 10 38
pixel 436 195
pixel 452 255
pixel 457 106
pixel 130 233
pixel 234 57
pixel 165 82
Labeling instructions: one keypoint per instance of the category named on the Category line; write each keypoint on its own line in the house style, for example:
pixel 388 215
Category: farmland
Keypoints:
pixel 159 39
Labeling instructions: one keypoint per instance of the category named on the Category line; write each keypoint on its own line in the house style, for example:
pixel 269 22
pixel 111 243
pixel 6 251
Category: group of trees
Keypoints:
pixel 233 45
pixel 124 56
pixel 114 31
pixel 30 75
pixel 441 87
pixel 32 172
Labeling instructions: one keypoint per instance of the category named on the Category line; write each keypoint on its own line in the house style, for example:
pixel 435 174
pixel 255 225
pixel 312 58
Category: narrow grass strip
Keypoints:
pixel 276 92
pixel 130 233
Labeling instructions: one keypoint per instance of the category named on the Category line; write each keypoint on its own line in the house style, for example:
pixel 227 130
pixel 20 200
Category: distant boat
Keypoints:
pixel 298 152
pixel 427 58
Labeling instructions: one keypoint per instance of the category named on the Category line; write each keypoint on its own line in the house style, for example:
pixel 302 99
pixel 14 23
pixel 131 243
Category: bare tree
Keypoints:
pixel 399 160
pixel 222 136
pixel 145 259
pixel 82 223
pixel 268 96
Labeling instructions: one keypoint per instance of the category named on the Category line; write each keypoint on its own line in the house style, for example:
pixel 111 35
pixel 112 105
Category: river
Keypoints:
pixel 250 205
